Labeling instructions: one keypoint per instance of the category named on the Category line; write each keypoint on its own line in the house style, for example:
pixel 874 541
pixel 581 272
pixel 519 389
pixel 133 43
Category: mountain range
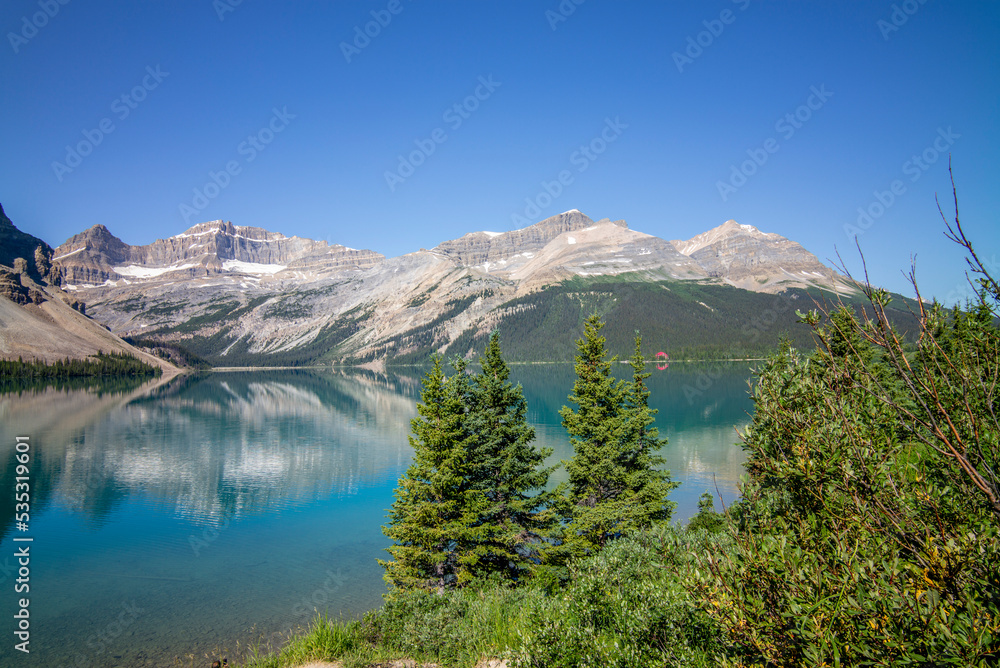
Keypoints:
pixel 243 295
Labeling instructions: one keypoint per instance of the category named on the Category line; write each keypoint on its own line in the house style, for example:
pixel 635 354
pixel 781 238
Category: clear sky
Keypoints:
pixel 449 117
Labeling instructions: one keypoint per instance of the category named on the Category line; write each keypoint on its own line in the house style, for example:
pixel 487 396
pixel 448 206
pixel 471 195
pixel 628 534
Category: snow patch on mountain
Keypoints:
pixel 253 267
pixel 135 271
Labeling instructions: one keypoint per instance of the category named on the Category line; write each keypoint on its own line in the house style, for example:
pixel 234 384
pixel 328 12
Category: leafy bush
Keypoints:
pixel 869 528
pixel 629 605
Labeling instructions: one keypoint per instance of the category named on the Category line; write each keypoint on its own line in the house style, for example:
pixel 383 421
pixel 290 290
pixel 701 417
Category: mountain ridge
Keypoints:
pixel 731 252
pixel 96 256
pixel 231 292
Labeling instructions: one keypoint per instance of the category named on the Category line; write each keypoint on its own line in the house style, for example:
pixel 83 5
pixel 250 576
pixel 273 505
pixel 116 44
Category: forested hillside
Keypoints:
pixel 684 319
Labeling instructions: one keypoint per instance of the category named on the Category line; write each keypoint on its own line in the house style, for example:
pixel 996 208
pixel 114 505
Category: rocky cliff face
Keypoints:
pixel 15 244
pixel 12 288
pixel 87 258
pixel 97 257
pixel 493 250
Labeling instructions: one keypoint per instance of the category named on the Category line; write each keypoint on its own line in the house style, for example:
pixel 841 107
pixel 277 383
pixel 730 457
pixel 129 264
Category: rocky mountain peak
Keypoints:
pixel 220 228
pixel 728 230
pixel 102 235
pixel 732 227
pixel 97 240
pixel 16 244
pixel 603 248
pixel 88 257
pixel 492 249
pixel 745 257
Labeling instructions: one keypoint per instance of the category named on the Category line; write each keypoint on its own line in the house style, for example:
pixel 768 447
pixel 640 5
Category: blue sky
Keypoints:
pixel 673 116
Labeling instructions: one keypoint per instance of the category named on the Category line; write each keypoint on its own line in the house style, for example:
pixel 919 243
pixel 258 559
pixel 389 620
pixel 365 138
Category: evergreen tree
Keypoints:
pixel 470 505
pixel 613 486
pixel 648 484
pixel 707 519
pixel 507 470
pixel 434 509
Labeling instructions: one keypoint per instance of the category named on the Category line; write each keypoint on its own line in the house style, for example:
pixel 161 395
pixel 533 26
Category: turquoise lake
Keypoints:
pixel 176 522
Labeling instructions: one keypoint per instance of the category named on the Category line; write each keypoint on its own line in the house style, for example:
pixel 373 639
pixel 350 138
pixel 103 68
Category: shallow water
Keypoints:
pixel 168 523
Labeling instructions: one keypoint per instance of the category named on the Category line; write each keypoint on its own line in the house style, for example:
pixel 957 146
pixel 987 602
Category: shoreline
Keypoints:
pixel 372 366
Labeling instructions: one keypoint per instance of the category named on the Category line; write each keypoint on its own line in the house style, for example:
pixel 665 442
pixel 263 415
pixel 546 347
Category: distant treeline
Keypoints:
pixel 98 385
pixel 170 351
pixel 100 365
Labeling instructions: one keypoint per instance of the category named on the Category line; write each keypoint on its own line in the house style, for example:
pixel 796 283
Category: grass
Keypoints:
pixel 456 629
pixel 325 640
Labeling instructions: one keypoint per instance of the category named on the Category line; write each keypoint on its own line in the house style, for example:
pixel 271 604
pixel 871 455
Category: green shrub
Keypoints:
pixel 629 605
pixel 455 628
pixel 864 537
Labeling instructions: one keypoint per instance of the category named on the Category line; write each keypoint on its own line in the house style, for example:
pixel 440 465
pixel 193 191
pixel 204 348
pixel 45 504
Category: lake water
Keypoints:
pixel 176 522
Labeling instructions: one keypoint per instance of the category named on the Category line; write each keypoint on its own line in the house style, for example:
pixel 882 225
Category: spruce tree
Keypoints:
pixel 430 520
pixel 707 519
pixel 648 483
pixel 507 470
pixel 613 485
